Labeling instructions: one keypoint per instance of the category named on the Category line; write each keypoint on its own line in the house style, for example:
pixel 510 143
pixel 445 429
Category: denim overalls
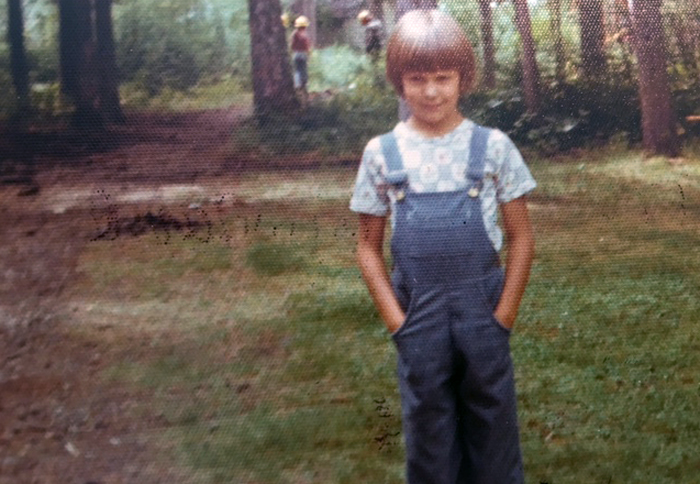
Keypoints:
pixel 454 365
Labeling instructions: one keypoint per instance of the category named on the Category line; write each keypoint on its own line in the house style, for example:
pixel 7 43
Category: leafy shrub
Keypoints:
pixel 43 64
pixel 336 67
pixel 47 100
pixel 7 90
pixel 368 109
pixel 315 129
pixel 328 128
pixel 351 102
pixel 687 101
pixel 168 44
pixel 574 115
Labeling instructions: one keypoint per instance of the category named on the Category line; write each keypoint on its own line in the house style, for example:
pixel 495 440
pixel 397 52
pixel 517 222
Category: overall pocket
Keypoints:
pixel 403 296
pixel 490 289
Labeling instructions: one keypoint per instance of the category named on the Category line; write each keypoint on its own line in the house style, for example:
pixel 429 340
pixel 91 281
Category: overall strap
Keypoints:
pixel 390 149
pixel 477 153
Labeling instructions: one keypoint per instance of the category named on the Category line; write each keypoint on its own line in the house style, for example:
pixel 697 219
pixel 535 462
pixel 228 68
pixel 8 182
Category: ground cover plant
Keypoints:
pixel 265 362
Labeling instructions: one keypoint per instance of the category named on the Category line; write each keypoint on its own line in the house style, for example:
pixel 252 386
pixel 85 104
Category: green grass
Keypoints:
pixel 270 259
pixel 276 369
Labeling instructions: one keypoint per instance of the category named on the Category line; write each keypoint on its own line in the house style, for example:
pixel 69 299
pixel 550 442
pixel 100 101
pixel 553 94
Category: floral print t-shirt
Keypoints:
pixel 439 165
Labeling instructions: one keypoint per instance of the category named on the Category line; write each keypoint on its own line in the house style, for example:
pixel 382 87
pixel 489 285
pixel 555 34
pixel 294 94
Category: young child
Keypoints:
pixel 448 304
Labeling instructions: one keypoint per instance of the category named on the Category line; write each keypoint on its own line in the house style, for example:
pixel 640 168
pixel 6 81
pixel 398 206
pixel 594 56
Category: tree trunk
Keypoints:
pixel 273 88
pixel 531 73
pixel 79 67
pixel 377 9
pixel 559 51
pixel 593 61
pixel 108 74
pixel 18 57
pixel 658 116
pixel 71 44
pixel 403 6
pixel 489 77
pixel 306 8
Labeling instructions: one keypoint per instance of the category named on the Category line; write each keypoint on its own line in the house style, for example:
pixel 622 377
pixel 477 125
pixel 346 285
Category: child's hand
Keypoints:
pixel 504 319
pixel 396 323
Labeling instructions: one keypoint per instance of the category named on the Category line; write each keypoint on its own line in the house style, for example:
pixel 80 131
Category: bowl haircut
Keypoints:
pixel 428 41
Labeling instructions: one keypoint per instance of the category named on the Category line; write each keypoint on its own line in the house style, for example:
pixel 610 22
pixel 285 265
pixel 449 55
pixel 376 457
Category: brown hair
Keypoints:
pixel 429 40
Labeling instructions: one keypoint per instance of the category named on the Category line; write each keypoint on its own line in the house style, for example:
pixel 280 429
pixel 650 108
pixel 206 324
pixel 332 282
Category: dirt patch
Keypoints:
pixel 141 224
pixel 60 420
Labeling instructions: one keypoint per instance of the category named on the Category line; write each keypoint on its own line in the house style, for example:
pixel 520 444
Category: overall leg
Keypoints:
pixel 488 414
pixel 428 397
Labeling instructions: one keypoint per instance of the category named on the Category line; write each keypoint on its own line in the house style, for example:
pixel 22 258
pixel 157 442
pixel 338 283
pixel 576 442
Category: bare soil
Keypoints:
pixel 60 420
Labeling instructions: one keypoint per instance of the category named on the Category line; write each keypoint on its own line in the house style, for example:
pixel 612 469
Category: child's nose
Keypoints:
pixel 430 89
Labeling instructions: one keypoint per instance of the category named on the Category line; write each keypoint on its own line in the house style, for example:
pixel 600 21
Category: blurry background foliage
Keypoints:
pixel 170 49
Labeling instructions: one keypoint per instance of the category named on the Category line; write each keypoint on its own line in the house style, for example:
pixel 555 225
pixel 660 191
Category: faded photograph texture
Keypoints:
pixel 215 267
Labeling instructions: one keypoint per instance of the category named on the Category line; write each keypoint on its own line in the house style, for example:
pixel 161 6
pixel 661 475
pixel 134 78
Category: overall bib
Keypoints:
pixel 454 366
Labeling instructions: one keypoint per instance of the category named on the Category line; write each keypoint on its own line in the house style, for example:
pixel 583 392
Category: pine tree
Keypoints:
pixel 658 115
pixel 273 88
pixel 531 73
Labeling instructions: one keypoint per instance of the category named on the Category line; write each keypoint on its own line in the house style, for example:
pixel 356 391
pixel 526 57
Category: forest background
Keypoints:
pixel 556 74
pixel 179 299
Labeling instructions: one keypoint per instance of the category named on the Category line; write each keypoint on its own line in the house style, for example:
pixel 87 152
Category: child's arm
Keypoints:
pixel 521 251
pixel 370 257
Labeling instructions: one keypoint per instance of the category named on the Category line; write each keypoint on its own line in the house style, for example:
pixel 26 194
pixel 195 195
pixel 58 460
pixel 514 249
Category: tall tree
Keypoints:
pixel 592 30
pixel 18 56
pixel 377 9
pixel 559 51
pixel 531 73
pixel 489 77
pixel 77 52
pixel 108 73
pixel 273 88
pixel 403 6
pixel 658 115
pixel 87 61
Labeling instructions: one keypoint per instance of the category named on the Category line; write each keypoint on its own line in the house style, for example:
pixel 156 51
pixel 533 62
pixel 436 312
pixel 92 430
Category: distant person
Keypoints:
pixel 301 49
pixel 374 34
pixel 284 18
pixel 440 179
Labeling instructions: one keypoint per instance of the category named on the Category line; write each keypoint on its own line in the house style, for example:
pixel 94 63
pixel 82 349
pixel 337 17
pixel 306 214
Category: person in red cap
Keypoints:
pixel 301 49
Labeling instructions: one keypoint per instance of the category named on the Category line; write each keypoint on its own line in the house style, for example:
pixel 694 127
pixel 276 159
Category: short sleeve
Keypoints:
pixel 513 178
pixel 370 193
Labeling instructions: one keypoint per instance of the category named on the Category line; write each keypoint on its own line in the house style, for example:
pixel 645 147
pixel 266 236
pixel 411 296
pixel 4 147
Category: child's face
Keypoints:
pixel 432 98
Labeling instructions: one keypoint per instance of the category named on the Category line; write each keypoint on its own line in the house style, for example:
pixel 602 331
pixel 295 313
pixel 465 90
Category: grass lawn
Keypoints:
pixel 267 363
